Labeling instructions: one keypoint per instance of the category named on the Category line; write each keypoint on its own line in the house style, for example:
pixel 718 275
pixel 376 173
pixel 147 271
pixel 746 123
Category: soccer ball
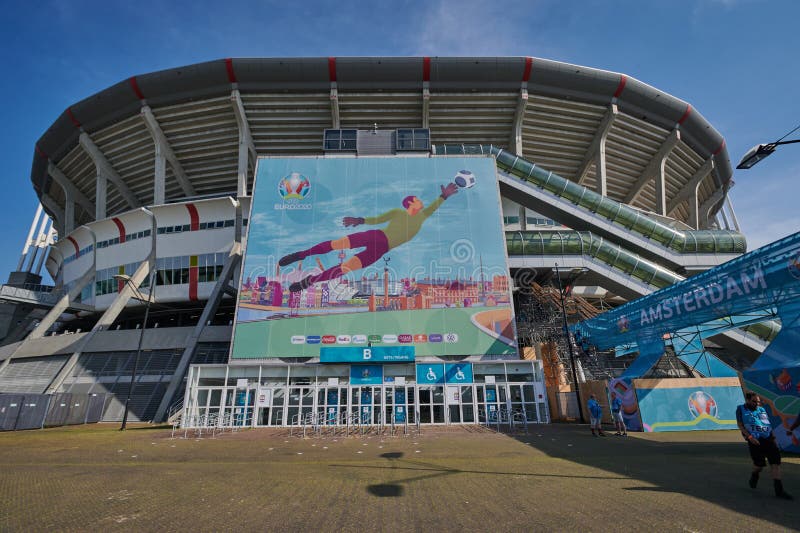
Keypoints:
pixel 465 179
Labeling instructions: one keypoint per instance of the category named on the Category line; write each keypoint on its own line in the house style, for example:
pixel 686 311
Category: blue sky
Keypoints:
pixel 735 61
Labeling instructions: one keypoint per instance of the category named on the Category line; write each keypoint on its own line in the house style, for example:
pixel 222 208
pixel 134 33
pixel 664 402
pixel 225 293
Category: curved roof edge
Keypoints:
pixel 216 78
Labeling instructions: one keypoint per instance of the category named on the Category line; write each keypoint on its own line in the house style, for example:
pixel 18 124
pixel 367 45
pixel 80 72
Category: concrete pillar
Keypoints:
pixel 426 104
pixel 694 210
pixel 242 166
pixel 101 188
pixel 724 217
pixel 69 213
pixel 600 176
pixel 735 220
pixel 38 239
pixel 334 106
pixel 160 175
pixel 27 244
pixel 661 188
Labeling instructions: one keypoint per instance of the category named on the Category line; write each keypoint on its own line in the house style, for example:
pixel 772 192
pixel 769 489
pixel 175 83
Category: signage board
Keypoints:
pixel 264 397
pixel 430 373
pixel 374 251
pixel 366 374
pixel 458 373
pixel 393 354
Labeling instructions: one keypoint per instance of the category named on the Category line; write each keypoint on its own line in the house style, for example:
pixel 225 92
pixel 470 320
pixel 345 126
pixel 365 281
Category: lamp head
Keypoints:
pixel 754 155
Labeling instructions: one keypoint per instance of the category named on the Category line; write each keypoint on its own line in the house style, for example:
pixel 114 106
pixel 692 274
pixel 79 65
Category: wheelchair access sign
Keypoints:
pixel 438 373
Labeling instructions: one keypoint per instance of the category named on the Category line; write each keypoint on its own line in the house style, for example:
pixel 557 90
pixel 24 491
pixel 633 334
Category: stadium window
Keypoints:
pixel 229 223
pixel 187 227
pixel 202 225
pixel 340 140
pixel 349 138
pixel 416 139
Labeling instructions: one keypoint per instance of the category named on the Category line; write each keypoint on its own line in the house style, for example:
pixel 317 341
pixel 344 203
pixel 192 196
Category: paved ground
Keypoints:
pixel 555 478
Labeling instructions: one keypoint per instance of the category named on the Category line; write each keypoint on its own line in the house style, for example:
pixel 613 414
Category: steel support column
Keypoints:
pixel 596 153
pixel 247 149
pixel 161 140
pixel 104 167
pixel 655 169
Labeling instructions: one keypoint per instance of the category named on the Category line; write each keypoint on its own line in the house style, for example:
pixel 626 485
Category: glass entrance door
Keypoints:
pixel 300 405
pixel 431 404
pixel 332 401
pixel 396 404
pixel 461 404
pixel 369 402
pixel 273 414
pixel 489 403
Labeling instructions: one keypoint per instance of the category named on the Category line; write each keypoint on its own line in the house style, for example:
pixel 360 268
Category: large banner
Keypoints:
pixel 687 404
pixel 375 252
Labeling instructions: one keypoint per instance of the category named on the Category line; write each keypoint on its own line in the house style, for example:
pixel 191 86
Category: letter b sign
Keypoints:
pixel 367 353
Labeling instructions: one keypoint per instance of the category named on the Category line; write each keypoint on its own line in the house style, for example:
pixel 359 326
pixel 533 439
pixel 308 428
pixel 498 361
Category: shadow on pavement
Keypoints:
pixel 702 465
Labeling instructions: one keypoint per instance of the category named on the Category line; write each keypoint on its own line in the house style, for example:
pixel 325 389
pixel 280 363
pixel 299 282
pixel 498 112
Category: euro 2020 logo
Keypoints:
pixel 700 402
pixel 295 186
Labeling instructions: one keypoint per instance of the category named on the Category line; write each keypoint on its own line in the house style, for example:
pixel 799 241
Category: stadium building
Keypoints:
pixel 607 185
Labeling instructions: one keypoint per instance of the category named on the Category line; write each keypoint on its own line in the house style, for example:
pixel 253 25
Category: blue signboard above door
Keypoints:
pixel 366 374
pixel 458 373
pixel 430 374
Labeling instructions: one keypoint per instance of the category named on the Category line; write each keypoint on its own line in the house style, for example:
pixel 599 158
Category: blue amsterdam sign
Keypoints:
pixel 372 354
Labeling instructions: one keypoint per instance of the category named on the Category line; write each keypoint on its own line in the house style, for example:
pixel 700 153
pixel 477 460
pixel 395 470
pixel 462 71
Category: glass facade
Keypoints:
pixel 340 395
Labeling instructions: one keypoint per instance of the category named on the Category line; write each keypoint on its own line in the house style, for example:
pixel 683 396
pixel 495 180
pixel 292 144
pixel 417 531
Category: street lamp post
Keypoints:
pixel 127 279
pixel 569 345
pixel 761 151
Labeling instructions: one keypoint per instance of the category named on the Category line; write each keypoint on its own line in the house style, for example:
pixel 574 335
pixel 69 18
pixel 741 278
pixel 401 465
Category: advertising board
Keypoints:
pixel 374 252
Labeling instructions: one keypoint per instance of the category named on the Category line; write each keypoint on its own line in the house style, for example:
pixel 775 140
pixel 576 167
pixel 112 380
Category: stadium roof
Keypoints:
pixel 560 110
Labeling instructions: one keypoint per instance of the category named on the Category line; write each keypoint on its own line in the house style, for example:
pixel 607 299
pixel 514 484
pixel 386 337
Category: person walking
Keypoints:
pixel 595 416
pixel 753 421
pixel 616 415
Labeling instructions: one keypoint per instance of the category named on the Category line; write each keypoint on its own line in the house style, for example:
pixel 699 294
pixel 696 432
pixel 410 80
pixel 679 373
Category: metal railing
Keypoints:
pixel 594 204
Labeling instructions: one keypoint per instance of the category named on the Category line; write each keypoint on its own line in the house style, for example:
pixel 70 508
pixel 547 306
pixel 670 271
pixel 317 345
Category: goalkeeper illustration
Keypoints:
pixel 403 225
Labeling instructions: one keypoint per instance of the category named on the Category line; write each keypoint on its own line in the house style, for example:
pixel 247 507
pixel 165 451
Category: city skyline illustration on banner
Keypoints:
pixel 375 252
